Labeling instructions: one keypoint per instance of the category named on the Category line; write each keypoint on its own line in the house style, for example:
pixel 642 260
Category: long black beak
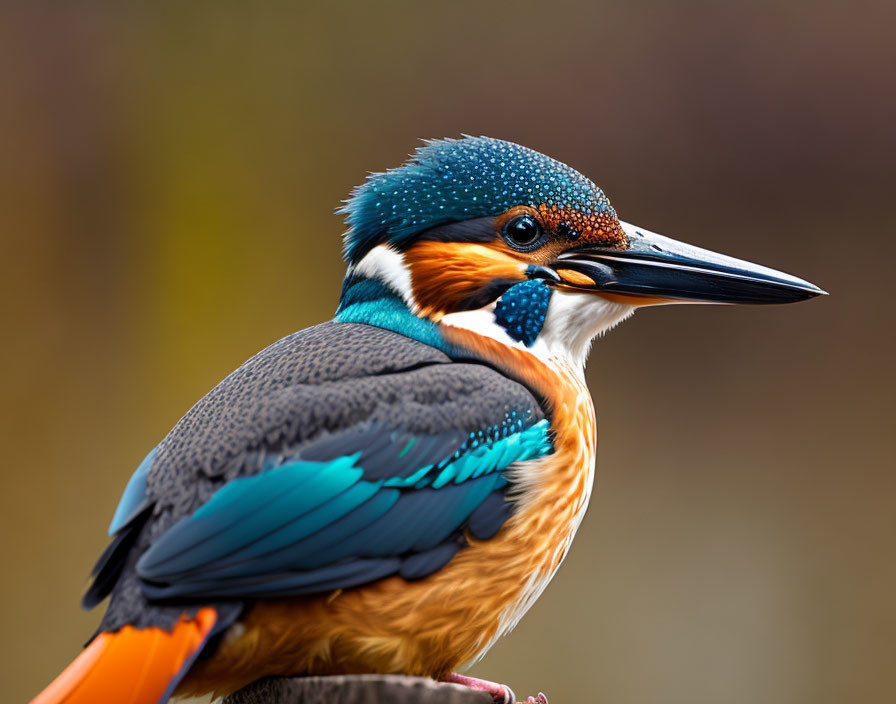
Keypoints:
pixel 657 267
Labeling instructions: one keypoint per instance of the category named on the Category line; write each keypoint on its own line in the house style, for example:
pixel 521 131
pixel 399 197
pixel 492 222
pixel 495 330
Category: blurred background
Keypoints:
pixel 168 179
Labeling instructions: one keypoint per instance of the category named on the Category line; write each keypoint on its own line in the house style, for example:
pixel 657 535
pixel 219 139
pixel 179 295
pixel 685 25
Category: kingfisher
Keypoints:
pixel 391 490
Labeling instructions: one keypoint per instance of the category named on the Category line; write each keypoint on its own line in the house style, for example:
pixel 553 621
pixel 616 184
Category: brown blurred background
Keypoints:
pixel 168 175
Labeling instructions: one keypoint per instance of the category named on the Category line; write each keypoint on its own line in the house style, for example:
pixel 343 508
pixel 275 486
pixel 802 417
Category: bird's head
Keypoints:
pixel 489 235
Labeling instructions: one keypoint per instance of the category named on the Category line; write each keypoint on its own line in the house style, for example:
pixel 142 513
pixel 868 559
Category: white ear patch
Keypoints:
pixel 385 264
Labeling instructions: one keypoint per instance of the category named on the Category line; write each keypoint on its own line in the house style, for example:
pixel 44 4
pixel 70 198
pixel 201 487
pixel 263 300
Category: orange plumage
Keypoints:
pixel 132 665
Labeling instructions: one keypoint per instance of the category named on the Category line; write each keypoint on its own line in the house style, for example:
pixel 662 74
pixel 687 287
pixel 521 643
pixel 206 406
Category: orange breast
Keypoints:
pixel 430 627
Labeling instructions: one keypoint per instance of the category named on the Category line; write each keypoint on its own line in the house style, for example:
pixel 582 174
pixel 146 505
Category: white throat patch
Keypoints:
pixel 572 322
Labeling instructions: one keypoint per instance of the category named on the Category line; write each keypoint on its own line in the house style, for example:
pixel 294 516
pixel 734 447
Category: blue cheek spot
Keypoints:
pixel 522 309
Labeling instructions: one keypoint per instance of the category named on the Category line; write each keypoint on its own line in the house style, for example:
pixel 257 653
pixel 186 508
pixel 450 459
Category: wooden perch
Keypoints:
pixel 355 689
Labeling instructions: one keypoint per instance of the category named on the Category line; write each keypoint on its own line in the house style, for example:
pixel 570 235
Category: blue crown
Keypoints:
pixel 459 179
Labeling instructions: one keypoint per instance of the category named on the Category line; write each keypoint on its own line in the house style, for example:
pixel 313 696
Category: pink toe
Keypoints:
pixel 500 692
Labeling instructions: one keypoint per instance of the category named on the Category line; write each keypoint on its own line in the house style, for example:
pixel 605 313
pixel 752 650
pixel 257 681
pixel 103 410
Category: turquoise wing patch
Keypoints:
pixel 311 524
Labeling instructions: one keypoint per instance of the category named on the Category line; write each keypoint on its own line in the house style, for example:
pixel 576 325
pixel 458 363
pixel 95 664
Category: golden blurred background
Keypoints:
pixel 168 177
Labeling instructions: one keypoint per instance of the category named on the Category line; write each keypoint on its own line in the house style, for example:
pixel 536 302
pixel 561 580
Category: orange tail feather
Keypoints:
pixel 130 666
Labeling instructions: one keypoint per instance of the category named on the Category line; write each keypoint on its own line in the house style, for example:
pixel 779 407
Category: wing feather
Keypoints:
pixel 290 527
pixel 339 455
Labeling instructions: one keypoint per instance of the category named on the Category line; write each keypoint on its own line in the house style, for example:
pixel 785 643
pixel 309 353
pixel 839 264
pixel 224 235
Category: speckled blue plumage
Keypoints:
pixel 522 309
pixel 454 180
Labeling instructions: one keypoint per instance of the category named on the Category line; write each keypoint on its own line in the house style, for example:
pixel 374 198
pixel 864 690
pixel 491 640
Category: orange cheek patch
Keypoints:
pixel 445 274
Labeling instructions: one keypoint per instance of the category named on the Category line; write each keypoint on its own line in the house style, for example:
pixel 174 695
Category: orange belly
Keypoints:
pixel 432 626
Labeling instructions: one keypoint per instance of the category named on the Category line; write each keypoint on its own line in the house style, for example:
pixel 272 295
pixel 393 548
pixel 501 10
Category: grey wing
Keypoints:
pixel 318 395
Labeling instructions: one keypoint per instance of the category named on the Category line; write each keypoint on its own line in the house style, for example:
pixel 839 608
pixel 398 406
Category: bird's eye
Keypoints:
pixel 523 232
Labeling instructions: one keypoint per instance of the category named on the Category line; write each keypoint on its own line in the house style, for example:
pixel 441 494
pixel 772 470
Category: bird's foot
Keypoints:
pixel 501 693
pixel 537 699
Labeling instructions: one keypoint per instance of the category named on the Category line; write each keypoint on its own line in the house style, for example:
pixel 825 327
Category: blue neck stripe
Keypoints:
pixel 371 302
